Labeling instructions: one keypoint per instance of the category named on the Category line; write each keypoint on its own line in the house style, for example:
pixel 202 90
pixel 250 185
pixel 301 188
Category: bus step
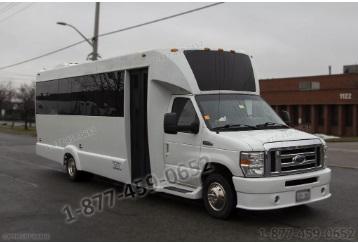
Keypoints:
pixel 181 190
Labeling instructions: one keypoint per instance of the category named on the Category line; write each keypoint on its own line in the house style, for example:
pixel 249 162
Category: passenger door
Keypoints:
pixel 182 150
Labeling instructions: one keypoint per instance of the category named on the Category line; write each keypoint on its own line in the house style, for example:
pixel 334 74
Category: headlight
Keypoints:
pixel 252 163
pixel 323 153
pixel 325 156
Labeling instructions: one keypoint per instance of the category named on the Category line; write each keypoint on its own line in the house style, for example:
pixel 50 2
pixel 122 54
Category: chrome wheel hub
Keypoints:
pixel 71 167
pixel 216 196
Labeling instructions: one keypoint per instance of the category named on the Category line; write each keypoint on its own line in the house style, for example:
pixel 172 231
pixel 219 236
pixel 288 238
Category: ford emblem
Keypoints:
pixel 299 158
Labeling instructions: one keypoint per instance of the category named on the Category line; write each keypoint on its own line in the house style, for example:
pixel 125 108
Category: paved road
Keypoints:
pixel 34 191
pixel 343 155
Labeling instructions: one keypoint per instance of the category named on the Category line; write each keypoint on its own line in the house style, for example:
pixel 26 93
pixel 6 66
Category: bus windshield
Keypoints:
pixel 237 112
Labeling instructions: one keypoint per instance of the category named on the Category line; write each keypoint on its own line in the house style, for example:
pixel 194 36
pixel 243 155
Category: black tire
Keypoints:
pixel 218 185
pixel 73 173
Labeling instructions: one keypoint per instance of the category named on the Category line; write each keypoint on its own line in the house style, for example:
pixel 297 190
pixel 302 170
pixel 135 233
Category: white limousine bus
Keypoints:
pixel 192 120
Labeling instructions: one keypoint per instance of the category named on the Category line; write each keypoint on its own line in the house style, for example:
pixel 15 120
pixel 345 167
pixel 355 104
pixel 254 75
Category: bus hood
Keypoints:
pixel 256 139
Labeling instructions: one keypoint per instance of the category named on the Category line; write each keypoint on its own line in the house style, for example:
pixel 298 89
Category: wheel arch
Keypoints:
pixel 215 167
pixel 71 151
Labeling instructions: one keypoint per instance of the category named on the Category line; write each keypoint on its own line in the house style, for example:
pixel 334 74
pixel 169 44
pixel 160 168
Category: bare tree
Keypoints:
pixel 26 95
pixel 6 94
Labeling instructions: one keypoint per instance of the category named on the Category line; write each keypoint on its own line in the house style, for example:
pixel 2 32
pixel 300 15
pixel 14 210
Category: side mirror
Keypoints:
pixel 194 127
pixel 285 116
pixel 170 123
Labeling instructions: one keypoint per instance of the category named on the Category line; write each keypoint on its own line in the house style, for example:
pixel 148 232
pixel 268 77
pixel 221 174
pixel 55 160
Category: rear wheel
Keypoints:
pixel 73 173
pixel 219 196
pixel 72 169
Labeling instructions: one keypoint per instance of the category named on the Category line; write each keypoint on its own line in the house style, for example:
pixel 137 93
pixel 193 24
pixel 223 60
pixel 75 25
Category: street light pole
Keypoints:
pixel 94 42
pixel 79 32
pixel 95 35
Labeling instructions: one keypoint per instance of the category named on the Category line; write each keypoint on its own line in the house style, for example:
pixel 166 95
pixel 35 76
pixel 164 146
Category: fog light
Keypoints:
pixel 277 199
pixel 323 190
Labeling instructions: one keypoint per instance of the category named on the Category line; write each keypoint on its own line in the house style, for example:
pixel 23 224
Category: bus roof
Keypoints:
pixel 169 66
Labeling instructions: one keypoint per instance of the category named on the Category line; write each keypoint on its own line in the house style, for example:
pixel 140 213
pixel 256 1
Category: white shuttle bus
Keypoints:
pixel 193 120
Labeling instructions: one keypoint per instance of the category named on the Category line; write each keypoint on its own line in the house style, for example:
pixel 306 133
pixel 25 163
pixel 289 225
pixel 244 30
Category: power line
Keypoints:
pixel 15 13
pixel 112 32
pixel 160 19
pixel 17 73
pixel 16 77
pixel 4 6
pixel 7 8
pixel 43 55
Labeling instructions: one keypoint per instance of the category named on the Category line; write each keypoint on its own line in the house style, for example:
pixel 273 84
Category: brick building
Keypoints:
pixel 318 104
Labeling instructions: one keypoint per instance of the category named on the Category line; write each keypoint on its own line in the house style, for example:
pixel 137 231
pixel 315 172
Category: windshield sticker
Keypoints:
pixel 206 117
pixel 222 119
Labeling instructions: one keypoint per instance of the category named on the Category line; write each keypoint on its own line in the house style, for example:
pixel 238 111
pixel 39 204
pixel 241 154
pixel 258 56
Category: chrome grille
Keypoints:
pixel 293 160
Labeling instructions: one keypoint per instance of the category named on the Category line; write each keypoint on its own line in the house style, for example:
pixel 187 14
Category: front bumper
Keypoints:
pixel 262 193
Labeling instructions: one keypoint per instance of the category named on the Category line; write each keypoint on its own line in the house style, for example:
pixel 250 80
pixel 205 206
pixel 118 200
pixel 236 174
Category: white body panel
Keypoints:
pixel 101 139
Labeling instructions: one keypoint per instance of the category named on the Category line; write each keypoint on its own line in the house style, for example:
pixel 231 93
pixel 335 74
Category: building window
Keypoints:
pixel 282 108
pixel 348 115
pixel 315 85
pixel 306 114
pixel 333 115
pixel 294 115
pixel 309 85
pixel 320 111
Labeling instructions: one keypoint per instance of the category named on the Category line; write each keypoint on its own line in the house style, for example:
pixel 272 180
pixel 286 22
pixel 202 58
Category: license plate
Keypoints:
pixel 303 195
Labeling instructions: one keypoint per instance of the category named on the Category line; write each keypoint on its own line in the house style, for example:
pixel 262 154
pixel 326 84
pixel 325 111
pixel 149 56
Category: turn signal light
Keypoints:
pixel 245 162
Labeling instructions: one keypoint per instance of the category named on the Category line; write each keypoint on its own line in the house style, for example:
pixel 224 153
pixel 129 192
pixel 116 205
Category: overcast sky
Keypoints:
pixel 285 39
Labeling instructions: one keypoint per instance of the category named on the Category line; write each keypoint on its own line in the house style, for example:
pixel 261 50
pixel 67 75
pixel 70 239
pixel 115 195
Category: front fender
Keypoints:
pixel 227 158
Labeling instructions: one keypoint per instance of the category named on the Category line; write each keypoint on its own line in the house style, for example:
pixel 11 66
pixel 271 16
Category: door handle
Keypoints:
pixel 166 149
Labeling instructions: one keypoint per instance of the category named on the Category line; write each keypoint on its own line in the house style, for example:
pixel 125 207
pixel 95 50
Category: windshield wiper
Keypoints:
pixel 233 126
pixel 271 124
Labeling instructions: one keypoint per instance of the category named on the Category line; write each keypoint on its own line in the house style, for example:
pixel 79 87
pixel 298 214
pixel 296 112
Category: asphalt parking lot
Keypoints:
pixel 34 192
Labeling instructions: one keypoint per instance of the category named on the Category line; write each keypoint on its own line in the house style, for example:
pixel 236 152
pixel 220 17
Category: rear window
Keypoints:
pixel 219 70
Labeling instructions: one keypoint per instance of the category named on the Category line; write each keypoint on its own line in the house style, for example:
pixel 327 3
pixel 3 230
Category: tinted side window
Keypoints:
pixel 46 96
pixel 64 97
pixel 113 93
pixel 185 111
pixel 89 95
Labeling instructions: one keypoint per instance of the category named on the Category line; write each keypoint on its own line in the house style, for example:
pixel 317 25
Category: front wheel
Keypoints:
pixel 219 196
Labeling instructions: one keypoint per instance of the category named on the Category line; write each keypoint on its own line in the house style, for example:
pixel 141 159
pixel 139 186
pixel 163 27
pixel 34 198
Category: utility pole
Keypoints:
pixel 92 42
pixel 95 35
